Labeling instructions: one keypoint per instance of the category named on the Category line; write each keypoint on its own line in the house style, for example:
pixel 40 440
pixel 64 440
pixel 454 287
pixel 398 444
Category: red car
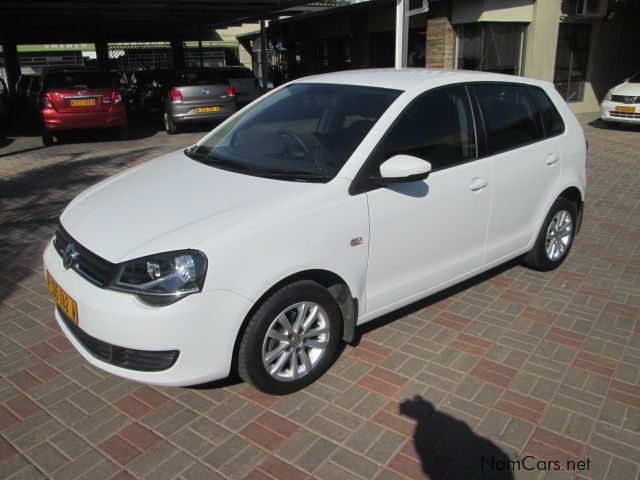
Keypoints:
pixel 80 98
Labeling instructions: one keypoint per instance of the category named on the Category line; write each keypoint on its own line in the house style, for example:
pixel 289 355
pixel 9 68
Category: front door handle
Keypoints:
pixel 551 159
pixel 477 183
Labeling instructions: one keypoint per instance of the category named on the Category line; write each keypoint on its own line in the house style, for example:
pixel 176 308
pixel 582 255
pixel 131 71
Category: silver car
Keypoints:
pixel 244 83
pixel 196 95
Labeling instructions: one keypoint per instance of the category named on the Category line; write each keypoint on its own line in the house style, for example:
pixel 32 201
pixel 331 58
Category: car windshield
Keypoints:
pixel 303 132
pixel 635 78
pixel 63 80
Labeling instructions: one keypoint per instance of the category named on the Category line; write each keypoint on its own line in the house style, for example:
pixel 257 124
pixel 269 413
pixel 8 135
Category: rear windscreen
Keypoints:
pixel 197 77
pixel 238 73
pixel 63 80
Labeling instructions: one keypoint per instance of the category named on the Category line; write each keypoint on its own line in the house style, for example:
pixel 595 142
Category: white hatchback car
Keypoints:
pixel 325 204
pixel 622 102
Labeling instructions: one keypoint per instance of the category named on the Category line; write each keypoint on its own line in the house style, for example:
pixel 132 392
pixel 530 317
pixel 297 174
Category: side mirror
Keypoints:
pixel 403 169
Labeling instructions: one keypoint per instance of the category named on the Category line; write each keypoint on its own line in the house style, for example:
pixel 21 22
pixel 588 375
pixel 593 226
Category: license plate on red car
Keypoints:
pixel 83 102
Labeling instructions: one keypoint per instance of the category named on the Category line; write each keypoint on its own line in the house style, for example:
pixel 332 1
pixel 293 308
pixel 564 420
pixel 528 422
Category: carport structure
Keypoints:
pixel 103 21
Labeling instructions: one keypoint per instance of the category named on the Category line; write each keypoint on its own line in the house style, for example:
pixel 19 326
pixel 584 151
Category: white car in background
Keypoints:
pixel 325 204
pixel 622 102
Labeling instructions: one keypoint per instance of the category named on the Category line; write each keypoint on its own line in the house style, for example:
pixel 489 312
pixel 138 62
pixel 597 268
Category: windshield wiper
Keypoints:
pixel 293 175
pixel 207 157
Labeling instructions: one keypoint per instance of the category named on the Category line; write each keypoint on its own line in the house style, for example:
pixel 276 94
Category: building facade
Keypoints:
pixel 584 46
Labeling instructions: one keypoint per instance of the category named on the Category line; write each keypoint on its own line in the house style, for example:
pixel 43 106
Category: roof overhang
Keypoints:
pixel 75 21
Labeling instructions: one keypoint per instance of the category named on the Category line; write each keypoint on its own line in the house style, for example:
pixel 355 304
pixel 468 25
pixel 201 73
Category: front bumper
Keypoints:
pixel 608 112
pixel 201 328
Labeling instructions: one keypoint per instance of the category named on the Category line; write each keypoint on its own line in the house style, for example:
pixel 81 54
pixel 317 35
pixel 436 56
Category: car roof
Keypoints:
pixel 408 78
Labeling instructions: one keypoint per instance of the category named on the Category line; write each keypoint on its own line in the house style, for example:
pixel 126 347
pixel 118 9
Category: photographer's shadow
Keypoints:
pixel 449 449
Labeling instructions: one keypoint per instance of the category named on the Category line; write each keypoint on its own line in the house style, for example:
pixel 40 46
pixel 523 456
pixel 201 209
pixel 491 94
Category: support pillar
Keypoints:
pixel 402 33
pixel 441 43
pixel 102 54
pixel 263 56
pixel 12 66
pixel 177 53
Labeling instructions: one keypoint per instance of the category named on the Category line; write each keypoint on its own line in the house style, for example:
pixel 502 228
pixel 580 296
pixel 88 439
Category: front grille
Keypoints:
pixel 625 99
pixel 132 359
pixel 625 115
pixel 97 270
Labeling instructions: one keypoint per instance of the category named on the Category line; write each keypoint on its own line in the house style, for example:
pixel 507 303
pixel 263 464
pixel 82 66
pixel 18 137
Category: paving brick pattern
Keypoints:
pixel 513 366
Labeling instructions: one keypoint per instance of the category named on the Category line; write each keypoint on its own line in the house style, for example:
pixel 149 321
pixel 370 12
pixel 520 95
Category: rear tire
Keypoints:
pixel 48 139
pixel 555 237
pixel 169 126
pixel 291 340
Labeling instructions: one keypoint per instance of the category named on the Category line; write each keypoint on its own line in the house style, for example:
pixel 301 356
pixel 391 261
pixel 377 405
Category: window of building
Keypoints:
pixel 572 56
pixel 437 127
pixel 509 115
pixel 490 47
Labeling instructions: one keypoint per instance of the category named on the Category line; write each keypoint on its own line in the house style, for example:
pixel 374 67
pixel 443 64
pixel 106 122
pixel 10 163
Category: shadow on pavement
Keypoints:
pixel 602 125
pixel 448 448
pixel 31 203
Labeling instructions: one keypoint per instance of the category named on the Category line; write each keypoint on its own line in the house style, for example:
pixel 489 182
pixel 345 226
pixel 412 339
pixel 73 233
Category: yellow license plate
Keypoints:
pixel 208 109
pixel 62 299
pixel 83 102
pixel 620 108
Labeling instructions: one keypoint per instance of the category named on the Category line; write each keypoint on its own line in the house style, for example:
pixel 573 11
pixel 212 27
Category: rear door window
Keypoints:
pixel 510 116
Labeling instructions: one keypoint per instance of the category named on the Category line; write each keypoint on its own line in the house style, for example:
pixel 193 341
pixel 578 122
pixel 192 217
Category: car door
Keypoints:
pixel 526 166
pixel 428 233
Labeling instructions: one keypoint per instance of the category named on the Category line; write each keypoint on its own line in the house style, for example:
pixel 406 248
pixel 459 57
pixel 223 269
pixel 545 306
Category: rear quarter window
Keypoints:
pixel 553 124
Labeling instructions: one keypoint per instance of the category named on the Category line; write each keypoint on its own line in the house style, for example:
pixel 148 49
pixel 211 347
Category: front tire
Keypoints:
pixel 555 237
pixel 291 340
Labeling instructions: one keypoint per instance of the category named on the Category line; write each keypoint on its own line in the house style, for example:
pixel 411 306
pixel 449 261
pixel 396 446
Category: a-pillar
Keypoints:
pixel 12 65
pixel 177 53
pixel 102 54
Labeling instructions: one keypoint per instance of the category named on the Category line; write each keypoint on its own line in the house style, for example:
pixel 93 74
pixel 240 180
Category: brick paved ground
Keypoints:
pixel 515 363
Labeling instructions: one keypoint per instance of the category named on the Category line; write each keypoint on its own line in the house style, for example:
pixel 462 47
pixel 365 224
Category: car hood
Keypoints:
pixel 169 203
pixel 631 89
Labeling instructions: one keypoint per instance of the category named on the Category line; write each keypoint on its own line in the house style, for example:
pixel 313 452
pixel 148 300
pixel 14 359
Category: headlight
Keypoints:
pixel 164 278
pixel 609 94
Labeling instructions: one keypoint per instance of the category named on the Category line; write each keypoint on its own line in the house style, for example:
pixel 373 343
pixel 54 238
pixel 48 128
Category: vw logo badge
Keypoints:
pixel 70 256
pixel 205 91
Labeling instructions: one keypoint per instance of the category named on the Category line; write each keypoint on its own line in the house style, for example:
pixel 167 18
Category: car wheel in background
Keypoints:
pixel 48 139
pixel 169 126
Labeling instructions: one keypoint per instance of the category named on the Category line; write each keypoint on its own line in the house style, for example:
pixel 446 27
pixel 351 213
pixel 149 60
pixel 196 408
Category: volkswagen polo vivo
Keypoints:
pixel 325 204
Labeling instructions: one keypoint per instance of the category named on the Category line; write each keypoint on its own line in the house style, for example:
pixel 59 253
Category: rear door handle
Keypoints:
pixel 552 158
pixel 477 183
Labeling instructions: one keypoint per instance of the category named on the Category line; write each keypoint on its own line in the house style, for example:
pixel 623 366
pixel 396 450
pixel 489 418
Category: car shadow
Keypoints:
pixel 602 125
pixel 448 448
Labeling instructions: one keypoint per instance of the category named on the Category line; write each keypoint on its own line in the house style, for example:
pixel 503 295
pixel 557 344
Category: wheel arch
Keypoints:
pixel 335 285
pixel 573 194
